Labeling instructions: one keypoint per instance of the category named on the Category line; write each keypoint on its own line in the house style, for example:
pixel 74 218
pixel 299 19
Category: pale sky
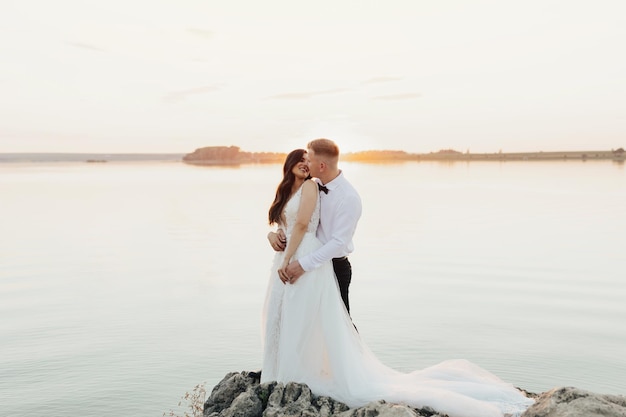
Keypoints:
pixel 417 75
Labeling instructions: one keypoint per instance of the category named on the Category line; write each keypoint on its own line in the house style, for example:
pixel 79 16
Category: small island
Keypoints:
pixel 233 155
pixel 230 155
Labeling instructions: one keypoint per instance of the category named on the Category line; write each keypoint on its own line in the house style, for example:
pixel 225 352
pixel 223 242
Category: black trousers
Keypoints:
pixel 343 271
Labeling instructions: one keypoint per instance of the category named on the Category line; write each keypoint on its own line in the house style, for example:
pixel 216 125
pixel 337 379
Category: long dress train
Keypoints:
pixel 308 337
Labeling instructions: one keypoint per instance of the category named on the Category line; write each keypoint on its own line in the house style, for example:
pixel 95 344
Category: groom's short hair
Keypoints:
pixel 324 147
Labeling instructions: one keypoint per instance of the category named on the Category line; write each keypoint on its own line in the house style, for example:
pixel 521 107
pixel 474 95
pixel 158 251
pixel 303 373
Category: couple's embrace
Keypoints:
pixel 308 336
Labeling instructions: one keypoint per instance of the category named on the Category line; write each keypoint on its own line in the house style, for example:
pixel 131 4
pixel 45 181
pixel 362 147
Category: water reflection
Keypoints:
pixel 156 272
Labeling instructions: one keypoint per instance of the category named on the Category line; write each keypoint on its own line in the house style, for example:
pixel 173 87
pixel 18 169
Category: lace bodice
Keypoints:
pixel 291 211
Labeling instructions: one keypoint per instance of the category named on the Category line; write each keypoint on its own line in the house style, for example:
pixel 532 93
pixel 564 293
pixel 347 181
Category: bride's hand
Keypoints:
pixel 290 272
pixel 278 240
pixel 282 273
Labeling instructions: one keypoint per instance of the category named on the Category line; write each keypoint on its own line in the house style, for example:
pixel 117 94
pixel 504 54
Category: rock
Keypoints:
pixel 247 404
pixel 384 409
pixel 574 402
pixel 290 400
pixel 329 407
pixel 225 392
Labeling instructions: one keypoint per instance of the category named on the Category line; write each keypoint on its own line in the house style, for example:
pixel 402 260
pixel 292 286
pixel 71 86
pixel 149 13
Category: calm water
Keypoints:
pixel 122 285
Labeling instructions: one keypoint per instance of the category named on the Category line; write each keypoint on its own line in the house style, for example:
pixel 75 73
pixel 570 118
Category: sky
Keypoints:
pixel 413 75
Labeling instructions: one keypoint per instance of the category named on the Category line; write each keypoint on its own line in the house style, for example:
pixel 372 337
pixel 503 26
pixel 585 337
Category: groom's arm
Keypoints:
pixel 346 218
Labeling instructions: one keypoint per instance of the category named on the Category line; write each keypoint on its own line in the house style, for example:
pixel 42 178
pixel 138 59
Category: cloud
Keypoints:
pixel 85 46
pixel 308 95
pixel 406 96
pixel 181 95
pixel 203 33
pixel 377 80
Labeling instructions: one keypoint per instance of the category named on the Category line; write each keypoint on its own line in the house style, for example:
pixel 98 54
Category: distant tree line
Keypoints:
pixel 230 155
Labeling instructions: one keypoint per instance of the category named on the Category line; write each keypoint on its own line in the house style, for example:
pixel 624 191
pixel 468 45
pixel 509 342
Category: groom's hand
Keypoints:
pixel 277 240
pixel 293 271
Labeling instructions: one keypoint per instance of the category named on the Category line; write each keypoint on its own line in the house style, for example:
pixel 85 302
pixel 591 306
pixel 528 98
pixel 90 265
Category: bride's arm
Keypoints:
pixel 308 200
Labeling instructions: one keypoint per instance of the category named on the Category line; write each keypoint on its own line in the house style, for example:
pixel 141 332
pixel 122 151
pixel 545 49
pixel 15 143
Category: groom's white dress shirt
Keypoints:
pixel 340 210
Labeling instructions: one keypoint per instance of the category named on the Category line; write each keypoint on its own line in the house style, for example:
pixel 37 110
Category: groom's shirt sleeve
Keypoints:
pixel 346 217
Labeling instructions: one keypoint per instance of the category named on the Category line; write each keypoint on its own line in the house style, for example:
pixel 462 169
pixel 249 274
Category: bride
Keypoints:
pixel 309 338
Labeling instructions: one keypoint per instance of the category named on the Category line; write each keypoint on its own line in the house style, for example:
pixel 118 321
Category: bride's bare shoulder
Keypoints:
pixel 309 188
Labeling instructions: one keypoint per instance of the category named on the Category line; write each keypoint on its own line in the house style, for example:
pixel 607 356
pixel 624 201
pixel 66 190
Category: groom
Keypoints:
pixel 340 213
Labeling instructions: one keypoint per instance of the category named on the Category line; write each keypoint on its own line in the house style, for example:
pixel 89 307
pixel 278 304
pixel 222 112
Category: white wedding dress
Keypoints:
pixel 308 337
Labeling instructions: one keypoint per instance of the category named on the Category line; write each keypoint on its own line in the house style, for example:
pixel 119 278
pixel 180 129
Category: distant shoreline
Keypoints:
pixel 451 155
pixel 215 155
pixel 221 155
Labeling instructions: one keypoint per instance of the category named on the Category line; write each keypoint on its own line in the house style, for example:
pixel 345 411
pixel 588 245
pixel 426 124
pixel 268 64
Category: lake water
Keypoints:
pixel 123 285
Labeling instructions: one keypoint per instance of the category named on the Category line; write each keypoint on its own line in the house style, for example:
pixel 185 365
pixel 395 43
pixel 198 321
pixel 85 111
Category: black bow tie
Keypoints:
pixel 322 188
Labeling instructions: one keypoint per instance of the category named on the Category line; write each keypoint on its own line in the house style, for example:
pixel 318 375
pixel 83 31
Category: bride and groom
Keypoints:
pixel 308 335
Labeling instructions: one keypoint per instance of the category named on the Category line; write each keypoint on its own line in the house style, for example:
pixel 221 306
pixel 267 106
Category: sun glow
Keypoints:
pixel 345 133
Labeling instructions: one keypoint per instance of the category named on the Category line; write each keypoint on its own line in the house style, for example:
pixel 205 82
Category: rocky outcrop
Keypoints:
pixel 239 394
pixel 574 402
